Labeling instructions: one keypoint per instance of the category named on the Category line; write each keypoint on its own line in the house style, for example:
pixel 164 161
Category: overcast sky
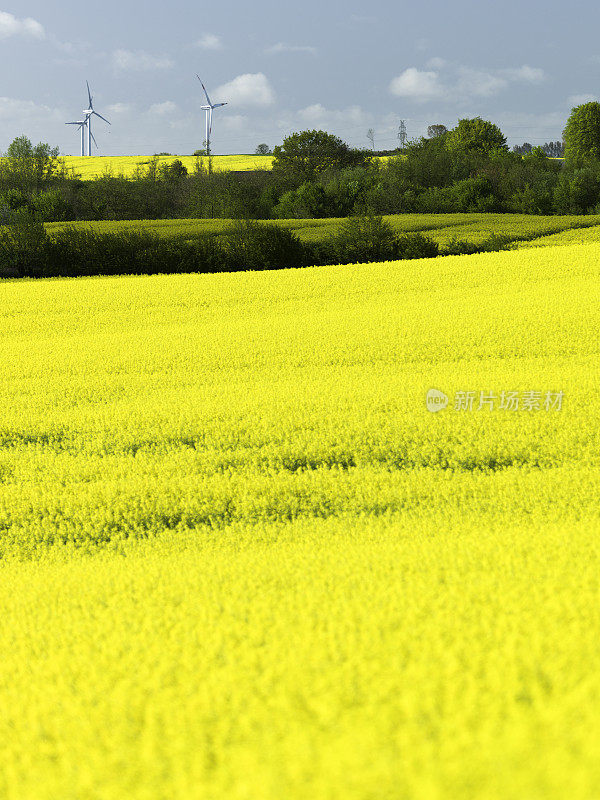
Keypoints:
pixel 340 65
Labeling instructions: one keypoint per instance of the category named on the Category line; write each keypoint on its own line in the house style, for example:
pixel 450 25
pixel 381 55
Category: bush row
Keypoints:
pixel 27 250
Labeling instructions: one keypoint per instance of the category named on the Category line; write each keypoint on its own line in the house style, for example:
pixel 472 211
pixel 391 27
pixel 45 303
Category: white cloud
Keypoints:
pixel 119 108
pixel 14 110
pixel 526 74
pixel 233 122
pixel 163 109
pixel 417 84
pixel 580 99
pixel 282 47
pixel 436 63
pixel 459 84
pixel 317 114
pixel 210 42
pixel 479 83
pixel 313 112
pixel 13 26
pixel 139 61
pixel 251 89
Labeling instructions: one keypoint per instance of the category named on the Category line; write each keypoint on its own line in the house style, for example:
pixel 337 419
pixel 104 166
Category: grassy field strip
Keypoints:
pixel 440 227
pixel 582 235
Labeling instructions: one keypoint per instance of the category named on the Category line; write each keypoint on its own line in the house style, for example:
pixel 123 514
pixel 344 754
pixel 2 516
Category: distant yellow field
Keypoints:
pixel 96 166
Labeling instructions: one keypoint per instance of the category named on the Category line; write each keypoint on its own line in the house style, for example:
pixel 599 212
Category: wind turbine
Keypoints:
pixel 209 111
pixel 89 113
pixel 81 124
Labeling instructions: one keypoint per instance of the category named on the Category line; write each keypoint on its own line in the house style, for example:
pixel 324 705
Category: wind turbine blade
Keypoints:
pixel 72 123
pixel 204 87
pixel 218 105
pixel 96 114
pixel 94 140
pixel 89 94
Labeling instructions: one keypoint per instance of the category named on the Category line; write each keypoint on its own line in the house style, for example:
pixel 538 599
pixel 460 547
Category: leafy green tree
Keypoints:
pixel 263 150
pixel 522 149
pixel 362 239
pixel 427 163
pixel 308 201
pixel 305 155
pixel 27 167
pixel 433 131
pixel 23 242
pixel 476 136
pixel 174 172
pixel 255 245
pixel 578 190
pixel 582 134
pixel 536 153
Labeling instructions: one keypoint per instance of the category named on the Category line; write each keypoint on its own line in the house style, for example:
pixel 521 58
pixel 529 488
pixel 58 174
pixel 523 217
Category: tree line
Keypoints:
pixel 468 168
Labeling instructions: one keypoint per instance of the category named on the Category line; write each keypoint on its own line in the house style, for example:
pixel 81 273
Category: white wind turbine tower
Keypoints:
pixel 89 113
pixel 209 111
pixel 81 124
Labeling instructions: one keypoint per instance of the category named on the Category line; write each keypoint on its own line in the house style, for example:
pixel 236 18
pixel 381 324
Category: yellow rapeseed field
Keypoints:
pixel 241 559
pixel 526 229
pixel 96 166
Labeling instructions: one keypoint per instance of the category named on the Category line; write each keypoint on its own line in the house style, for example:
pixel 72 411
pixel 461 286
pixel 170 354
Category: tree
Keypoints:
pixel 476 136
pixel 433 131
pixel 174 172
pixel 535 153
pixel 522 149
pixel 27 167
pixel 371 137
pixel 263 150
pixel 582 134
pixel 305 155
pixel 23 241
pixel 554 149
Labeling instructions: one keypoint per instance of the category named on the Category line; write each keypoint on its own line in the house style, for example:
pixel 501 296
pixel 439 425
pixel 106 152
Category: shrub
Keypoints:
pixel 363 239
pixel 51 205
pixel 11 199
pixel 461 247
pixel 416 245
pixel 254 245
pixel 578 192
pixel 79 251
pixel 204 254
pixel 173 172
pixel 309 201
pixel 23 243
